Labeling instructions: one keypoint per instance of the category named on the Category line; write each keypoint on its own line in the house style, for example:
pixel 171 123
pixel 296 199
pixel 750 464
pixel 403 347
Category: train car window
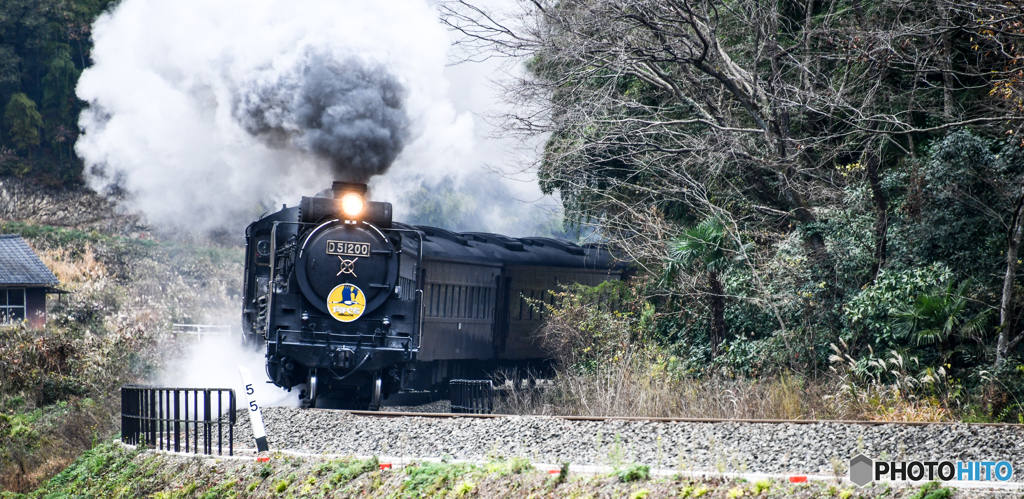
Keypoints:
pixel 461 301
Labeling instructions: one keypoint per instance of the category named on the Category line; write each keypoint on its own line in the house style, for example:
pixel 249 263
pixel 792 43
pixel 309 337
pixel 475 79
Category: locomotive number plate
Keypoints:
pixel 345 248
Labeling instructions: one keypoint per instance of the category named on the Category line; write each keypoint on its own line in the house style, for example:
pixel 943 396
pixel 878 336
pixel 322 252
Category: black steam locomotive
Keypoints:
pixel 356 306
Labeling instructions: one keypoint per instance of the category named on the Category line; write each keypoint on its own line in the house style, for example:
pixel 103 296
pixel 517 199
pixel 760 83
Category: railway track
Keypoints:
pixel 398 414
pixel 722 447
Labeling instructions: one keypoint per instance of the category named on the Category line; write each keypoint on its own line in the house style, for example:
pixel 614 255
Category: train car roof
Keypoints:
pixel 483 247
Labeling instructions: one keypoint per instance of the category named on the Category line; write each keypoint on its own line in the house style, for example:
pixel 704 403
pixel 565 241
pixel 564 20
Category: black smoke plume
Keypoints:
pixel 348 112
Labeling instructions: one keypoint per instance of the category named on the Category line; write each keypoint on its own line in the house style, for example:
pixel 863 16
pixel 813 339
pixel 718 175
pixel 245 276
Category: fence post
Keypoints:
pixel 471 396
pixel 177 423
pixel 231 429
pixel 208 447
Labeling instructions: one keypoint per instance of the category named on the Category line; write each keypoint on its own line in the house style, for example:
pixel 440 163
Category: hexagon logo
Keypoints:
pixel 860 470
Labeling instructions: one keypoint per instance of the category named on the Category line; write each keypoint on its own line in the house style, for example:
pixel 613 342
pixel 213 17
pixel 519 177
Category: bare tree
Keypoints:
pixel 662 113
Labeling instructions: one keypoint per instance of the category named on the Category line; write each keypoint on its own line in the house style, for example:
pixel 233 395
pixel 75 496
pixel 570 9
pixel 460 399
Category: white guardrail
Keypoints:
pixel 198 331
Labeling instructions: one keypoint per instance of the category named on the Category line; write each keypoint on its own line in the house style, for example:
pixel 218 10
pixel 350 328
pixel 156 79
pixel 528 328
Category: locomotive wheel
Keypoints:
pixel 310 400
pixel 375 397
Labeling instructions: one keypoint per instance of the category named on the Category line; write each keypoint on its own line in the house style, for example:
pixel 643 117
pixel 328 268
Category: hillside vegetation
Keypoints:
pixel 44 46
pixel 59 386
pixel 821 192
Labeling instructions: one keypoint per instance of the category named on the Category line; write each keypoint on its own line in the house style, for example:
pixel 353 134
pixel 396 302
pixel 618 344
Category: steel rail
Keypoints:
pixel 441 415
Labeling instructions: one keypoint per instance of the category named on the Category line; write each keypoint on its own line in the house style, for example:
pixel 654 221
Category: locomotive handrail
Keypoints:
pixel 270 282
pixel 419 281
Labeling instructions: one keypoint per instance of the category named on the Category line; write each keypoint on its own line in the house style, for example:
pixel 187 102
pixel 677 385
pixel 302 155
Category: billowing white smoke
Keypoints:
pixel 212 362
pixel 205 112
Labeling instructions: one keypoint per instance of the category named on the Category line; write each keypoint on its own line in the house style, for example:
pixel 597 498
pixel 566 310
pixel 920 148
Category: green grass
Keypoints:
pixel 505 467
pixel 122 476
pixel 113 471
pixel 932 490
pixel 634 472
pixel 345 470
pixel 430 479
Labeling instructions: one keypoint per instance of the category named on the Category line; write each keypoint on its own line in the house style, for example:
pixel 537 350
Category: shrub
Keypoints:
pixel 634 472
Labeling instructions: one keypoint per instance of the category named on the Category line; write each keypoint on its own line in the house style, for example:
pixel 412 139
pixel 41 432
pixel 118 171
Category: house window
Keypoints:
pixel 12 305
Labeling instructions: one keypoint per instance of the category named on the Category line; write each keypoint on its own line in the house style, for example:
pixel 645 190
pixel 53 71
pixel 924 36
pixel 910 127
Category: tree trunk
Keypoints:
pixel 947 61
pixel 1005 345
pixel 881 210
pixel 717 312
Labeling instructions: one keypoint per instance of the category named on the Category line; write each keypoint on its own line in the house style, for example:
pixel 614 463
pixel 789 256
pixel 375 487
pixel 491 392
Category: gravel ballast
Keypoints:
pixel 723 447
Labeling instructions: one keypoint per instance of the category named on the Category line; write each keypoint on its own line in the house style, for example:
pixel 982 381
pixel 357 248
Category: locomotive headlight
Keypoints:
pixel 352 204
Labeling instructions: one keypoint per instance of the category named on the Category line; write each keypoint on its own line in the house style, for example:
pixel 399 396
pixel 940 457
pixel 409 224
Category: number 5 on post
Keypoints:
pixel 255 416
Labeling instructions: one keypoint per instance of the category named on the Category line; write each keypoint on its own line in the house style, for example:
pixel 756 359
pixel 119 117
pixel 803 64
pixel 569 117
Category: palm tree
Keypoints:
pixel 936 315
pixel 703 248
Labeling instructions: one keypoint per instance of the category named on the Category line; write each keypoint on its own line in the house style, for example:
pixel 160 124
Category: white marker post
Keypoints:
pixel 255 416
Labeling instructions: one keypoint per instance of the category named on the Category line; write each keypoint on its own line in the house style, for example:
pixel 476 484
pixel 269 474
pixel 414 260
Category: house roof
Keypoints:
pixel 20 265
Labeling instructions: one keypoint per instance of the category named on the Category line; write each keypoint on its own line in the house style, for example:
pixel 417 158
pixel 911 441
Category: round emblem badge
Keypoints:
pixel 346 302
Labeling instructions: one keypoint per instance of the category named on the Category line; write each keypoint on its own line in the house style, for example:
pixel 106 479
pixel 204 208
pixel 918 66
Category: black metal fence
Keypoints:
pixel 178 419
pixel 471 396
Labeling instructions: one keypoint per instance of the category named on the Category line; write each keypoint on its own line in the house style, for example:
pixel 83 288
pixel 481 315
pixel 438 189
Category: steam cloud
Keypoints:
pixel 347 112
pixel 206 114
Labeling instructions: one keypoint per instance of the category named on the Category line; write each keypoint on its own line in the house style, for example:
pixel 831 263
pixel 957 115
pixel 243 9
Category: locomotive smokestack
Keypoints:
pixel 340 188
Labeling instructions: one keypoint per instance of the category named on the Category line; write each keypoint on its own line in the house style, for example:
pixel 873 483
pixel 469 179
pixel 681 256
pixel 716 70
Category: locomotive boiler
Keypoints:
pixel 355 306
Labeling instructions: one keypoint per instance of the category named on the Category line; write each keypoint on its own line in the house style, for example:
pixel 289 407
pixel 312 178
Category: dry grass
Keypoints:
pixel 73 268
pixel 607 367
pixel 630 388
